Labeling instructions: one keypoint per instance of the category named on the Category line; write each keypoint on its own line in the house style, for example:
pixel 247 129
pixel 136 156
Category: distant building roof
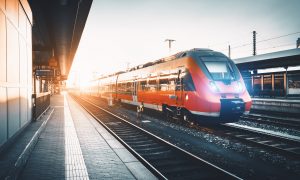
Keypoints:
pixel 276 59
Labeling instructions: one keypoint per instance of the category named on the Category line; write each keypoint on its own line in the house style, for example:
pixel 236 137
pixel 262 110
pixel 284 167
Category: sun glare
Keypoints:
pixel 116 37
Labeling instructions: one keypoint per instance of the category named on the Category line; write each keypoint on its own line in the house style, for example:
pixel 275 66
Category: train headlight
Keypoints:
pixel 213 86
pixel 186 97
pixel 239 87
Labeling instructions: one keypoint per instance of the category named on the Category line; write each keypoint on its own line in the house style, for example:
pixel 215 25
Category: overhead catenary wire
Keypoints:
pixel 278 37
pixel 283 45
pixel 263 40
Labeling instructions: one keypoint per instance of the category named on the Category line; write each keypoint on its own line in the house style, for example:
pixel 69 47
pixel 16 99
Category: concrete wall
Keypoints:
pixel 15 67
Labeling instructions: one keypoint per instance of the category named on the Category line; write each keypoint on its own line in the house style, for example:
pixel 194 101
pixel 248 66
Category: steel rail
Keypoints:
pixel 281 144
pixel 281 122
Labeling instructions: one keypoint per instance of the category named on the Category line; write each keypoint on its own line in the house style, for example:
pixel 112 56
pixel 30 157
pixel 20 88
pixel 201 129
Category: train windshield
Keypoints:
pixel 219 68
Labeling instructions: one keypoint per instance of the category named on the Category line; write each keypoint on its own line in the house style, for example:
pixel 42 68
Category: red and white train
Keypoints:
pixel 199 83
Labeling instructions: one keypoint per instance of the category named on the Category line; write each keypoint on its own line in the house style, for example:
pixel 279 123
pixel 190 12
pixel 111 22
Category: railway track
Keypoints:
pixel 164 159
pixel 280 144
pixel 274 143
pixel 275 121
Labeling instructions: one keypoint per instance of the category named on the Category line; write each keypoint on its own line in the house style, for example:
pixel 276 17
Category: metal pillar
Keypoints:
pixel 286 81
pixel 262 82
pixel 254 43
pixel 273 83
pixel 170 43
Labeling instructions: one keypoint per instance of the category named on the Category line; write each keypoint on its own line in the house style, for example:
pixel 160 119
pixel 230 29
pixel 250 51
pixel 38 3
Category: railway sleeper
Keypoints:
pixel 160 156
pixel 152 153
pixel 149 141
pixel 122 129
pixel 133 138
pixel 184 170
pixel 130 134
pixel 169 162
pixel 150 148
pixel 144 145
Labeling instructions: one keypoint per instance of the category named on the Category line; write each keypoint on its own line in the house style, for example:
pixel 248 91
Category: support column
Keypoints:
pixel 273 83
pixel 262 82
pixel 285 78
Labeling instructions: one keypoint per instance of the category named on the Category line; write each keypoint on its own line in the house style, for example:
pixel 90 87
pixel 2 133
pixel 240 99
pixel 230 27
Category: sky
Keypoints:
pixel 125 33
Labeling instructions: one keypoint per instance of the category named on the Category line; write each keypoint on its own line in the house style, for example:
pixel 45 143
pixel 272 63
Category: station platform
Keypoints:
pixel 67 143
pixel 281 105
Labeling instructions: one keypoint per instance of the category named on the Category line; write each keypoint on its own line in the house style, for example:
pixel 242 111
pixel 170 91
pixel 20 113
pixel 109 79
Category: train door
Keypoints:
pixel 179 89
pixel 134 92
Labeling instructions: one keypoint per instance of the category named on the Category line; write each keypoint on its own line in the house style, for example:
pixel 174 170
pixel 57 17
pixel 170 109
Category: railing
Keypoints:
pixel 41 103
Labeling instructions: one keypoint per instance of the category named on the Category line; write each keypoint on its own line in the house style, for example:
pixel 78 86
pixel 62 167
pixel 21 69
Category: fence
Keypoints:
pixel 41 103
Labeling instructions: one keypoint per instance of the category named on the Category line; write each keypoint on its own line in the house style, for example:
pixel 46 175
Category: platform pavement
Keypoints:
pixel 74 146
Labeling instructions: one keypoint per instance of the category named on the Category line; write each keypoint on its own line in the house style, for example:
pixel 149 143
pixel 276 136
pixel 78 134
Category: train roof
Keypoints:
pixel 162 60
pixel 285 58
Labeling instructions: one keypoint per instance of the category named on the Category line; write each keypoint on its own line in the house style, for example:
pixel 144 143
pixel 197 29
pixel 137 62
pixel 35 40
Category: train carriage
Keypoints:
pixel 198 83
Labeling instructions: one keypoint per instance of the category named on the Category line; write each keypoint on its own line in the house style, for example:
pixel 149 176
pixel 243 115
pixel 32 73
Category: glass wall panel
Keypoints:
pixel 13 110
pixel 23 62
pixel 22 21
pixel 256 85
pixel 267 82
pixel 2 47
pixel 278 82
pixel 294 83
pixel 12 54
pixel 2 4
pixel 28 31
pixel 3 115
pixel 12 11
pixel 15 68
pixel 23 106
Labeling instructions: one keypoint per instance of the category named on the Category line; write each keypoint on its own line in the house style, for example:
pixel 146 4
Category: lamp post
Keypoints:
pixel 170 44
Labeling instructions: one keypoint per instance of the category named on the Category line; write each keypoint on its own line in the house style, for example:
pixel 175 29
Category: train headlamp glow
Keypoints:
pixel 186 97
pixel 239 87
pixel 213 86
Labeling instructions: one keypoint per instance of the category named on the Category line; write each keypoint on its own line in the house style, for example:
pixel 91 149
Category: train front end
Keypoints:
pixel 220 93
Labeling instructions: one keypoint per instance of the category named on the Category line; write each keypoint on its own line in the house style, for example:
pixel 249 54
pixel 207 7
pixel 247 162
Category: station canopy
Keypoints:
pixel 285 58
pixel 56 32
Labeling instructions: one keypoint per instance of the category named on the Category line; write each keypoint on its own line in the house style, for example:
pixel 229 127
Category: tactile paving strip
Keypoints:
pixel 74 163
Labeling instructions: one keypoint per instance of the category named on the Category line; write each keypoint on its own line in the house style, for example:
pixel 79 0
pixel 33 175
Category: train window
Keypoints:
pixel 163 84
pixel 113 88
pixel 129 87
pixel 105 88
pixel 220 70
pixel 142 85
pixel 172 84
pixel 188 84
pixel 172 80
pixel 121 88
pixel 152 85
